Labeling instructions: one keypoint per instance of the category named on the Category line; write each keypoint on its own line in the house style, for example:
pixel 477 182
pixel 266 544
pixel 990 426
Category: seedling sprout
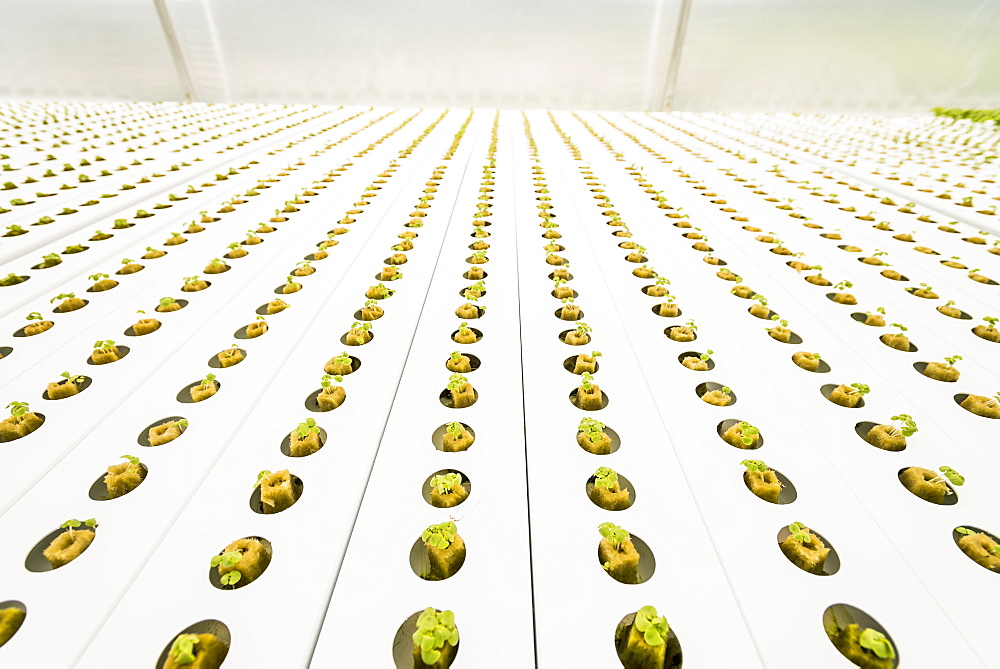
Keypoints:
pixel 799 533
pixel 73 523
pixel 876 642
pixel 445 483
pixel 614 534
pixel 593 429
pixel 605 477
pixel 653 627
pixel 904 424
pixel 440 536
pixel 227 560
pixel 306 428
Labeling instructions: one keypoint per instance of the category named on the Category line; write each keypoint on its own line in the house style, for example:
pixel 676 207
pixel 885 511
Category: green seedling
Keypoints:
pixel 34 316
pixel 843 284
pixel 760 298
pixel 166 301
pixel 593 429
pixel 364 327
pixel 306 428
pixel 63 296
pixel 227 560
pixel 73 523
pixel 605 477
pixel 233 246
pixel 18 409
pixel 876 642
pixel 440 536
pixel 104 344
pixel 260 475
pixel 433 631
pixel 191 280
pixel 445 483
pixel 455 429
pixel 587 381
pixel 568 300
pixel 662 281
pixel 614 534
pixel 470 296
pixel 652 626
pixel 98 277
pixel 926 287
pixel 748 430
pixel 951 475
pixel 879 252
pixel 991 321
pixel 755 466
pixel 455 382
pixel 182 649
pixel 799 533
pixel 967 531
pixel 691 325
pixel 704 356
pixel 325 380
pixel 209 380
pixel 819 271
pixel 904 424
pixel 73 378
pixel 900 327
pixel 133 463
pixel 951 360
pixel 50 259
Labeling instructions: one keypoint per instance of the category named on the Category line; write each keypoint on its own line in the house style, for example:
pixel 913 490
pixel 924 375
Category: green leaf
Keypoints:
pixel 652 637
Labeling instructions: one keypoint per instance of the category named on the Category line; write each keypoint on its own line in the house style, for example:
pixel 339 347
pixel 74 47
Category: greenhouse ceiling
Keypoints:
pixel 880 56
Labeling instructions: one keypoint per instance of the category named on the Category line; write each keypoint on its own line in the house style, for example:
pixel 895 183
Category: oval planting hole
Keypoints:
pixel 275 492
pixel 574 365
pixel 844 625
pixel 853 401
pixel 987 407
pixel 616 493
pixel 60 547
pixel 305 439
pixel 631 647
pixel 978 545
pixel 228 358
pixel 446 488
pixel 217 648
pixel 12 614
pixel 162 431
pixel 106 356
pixel 712 393
pixel 694 360
pixel 632 563
pixel 120 479
pixel 731 431
pixel 671 311
pixel 63 389
pixel 461 366
pixel 402 645
pixel 196 392
pixel 930 486
pixel 433 563
pixel 808 550
pixel 771 486
pixel 453 437
pixel 248 557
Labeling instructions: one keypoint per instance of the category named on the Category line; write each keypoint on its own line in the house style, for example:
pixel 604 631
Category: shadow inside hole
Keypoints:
pixel 425 491
pixel 656 310
pixel 573 399
pixel 567 277
pixel 36 562
pixel 673 657
pixel 722 427
pixel 421 566
pixel 214 362
pixel 214 627
pixel 710 364
pixel 562 338
pixel 14 627
pixel 861 318
pixel 184 395
pixel 437 437
pixel 838 616
pixel 99 491
pixel 623 484
pixel 961 397
pixel 475 331
pixel 121 350
pixel 831 565
pixel 445 398
pixel 884 338
pixel 83 385
pixel 828 388
pixel 474 362
pixel 143 438
pixel 215 579
pixel 23 333
pixel 402 642
pixel 647 562
pixel 949 499
pixel 708 386
pixel 788 493
pixel 5 352
pixel 286 445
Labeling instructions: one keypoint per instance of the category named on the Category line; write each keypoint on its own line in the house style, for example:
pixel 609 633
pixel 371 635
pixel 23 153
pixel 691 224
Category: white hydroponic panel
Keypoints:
pixel 707 203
